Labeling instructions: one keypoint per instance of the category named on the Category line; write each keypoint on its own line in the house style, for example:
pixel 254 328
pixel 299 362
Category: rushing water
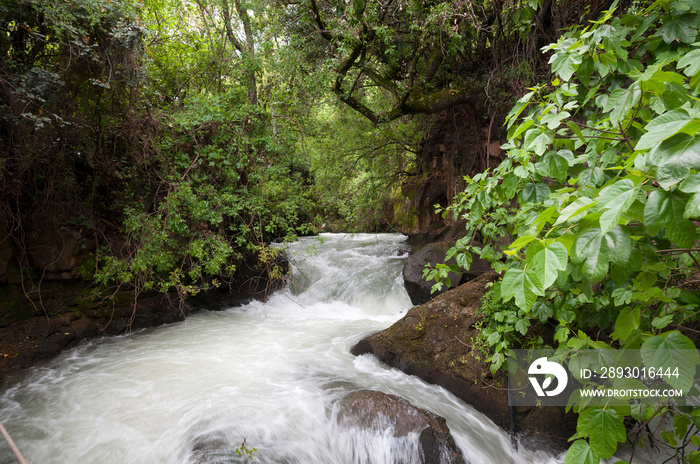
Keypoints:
pixel 268 373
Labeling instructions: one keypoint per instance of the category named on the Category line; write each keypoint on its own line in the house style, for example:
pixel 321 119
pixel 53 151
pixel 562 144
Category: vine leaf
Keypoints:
pixel 605 429
pixel 627 322
pixel 662 127
pixel 548 262
pixel 672 350
pixel 580 452
pixel 596 250
pixel 674 158
pixel 535 193
pixel 667 209
pixel 522 284
pixel 615 199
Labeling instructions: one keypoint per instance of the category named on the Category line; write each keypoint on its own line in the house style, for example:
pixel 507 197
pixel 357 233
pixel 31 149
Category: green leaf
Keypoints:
pixel 661 322
pixel 672 350
pixel 548 262
pixel 525 285
pixel 677 29
pixel 554 165
pixel 542 310
pixel 521 242
pixel 596 250
pixel 615 199
pixel 564 64
pixel 662 127
pixel 680 424
pixel 690 63
pixel 627 322
pixel 575 210
pixel 521 326
pixel 605 429
pixel 692 209
pixel 621 101
pixel 591 176
pixel 520 105
pixel 535 192
pixel 541 142
pixel 522 128
pixel 621 272
pixel 666 210
pixel 691 184
pixel 576 130
pixel 580 452
pixel 674 158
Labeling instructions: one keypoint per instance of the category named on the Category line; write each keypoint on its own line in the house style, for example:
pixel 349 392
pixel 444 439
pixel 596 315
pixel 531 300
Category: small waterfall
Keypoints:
pixel 268 375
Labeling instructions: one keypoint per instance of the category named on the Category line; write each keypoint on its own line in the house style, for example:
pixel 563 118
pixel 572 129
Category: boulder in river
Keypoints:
pixel 434 342
pixel 380 412
pixel 430 247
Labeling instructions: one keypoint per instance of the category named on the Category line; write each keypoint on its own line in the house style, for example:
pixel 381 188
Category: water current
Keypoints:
pixel 265 374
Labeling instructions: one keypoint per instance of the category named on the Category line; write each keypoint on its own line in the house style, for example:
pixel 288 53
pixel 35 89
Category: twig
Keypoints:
pixel 12 444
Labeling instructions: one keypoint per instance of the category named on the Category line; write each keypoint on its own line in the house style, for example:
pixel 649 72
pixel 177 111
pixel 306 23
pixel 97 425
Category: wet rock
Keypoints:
pixel 379 412
pixel 434 342
pixel 418 288
pixel 430 245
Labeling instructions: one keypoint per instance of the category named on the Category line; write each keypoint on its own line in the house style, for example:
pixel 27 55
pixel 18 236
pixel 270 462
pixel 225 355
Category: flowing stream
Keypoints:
pixel 267 373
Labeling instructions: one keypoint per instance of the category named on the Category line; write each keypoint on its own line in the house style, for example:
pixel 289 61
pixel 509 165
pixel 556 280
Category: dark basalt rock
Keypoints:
pixel 376 411
pixel 434 342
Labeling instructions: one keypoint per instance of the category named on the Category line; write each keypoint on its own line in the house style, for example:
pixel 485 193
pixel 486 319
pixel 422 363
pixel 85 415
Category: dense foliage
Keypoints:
pixel 598 200
pixel 181 136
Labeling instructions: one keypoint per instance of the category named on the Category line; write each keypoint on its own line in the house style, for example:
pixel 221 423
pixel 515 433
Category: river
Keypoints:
pixel 268 373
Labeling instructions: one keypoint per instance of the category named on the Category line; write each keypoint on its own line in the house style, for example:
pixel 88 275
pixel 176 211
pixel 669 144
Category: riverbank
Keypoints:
pixel 37 326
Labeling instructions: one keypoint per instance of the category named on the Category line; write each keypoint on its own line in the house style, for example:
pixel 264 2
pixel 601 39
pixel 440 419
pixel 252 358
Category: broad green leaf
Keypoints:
pixel 521 242
pixel 692 209
pixel 667 209
pixel 672 350
pixel 690 63
pixel 553 165
pixel 691 184
pixel 522 128
pixel 661 322
pixel 591 176
pixel 595 250
pixel 543 218
pixel 615 199
pixel 674 158
pixel 576 130
pixel 543 310
pixel 575 209
pixel 619 243
pixel 520 105
pixel 564 64
pixel 605 428
pixel 621 272
pixel 678 28
pixel 521 326
pixel 541 142
pixel 662 127
pixel 680 424
pixel 523 285
pixel 621 101
pixel 627 322
pixel 535 192
pixel 580 452
pixel 548 262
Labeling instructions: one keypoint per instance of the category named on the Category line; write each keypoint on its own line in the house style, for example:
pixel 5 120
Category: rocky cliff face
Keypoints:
pixel 461 142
